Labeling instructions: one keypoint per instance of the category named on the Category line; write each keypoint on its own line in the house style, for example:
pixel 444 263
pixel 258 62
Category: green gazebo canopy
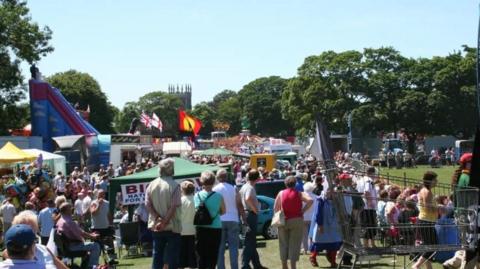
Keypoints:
pixel 217 152
pixel 183 169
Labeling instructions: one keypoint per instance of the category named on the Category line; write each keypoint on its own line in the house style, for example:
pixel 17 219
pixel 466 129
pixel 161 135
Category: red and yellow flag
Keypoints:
pixel 187 123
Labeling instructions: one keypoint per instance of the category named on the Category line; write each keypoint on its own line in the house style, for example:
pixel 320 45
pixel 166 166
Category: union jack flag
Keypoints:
pixel 146 120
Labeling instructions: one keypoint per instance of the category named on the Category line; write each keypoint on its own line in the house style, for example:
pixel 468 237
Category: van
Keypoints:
pixel 267 161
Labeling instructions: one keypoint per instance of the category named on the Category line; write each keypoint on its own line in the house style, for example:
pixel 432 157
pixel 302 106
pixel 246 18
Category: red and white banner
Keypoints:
pixel 146 120
pixel 156 122
pixel 134 194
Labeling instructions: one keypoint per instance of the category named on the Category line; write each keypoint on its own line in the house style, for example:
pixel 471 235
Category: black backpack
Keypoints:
pixel 202 215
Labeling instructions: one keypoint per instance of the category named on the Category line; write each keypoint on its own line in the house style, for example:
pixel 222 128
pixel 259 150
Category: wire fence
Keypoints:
pixel 453 227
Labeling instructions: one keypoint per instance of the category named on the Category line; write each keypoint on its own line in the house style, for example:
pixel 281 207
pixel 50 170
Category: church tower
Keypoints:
pixel 184 92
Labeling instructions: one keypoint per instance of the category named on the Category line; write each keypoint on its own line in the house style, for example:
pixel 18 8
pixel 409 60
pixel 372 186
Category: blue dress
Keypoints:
pixel 447 234
pixel 325 215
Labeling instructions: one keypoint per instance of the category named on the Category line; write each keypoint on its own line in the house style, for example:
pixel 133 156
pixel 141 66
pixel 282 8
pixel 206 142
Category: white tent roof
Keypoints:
pixel 176 147
pixel 56 162
pixel 45 154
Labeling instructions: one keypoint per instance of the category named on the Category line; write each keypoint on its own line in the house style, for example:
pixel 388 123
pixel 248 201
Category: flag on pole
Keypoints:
pixel 156 122
pixel 475 167
pixel 146 120
pixel 187 123
pixel 322 147
pixel 192 141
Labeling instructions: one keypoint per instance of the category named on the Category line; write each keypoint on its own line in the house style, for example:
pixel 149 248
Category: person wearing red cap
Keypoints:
pixel 461 179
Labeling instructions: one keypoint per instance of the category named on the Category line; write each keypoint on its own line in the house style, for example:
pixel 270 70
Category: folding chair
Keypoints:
pixel 63 251
pixel 130 237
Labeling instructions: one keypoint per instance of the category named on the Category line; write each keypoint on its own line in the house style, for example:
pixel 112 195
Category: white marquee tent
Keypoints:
pixel 57 163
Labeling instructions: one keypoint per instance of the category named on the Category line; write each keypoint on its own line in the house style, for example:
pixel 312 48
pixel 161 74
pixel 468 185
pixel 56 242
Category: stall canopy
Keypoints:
pixel 56 163
pixel 183 169
pixel 217 152
pixel 11 154
pixel 68 141
pixel 176 148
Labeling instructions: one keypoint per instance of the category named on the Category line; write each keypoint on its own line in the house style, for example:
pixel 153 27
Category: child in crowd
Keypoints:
pixel 187 243
pixel 406 219
pixel 393 207
pixel 382 204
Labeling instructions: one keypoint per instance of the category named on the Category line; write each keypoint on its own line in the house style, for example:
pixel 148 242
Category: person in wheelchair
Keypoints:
pixel 102 225
pixel 75 236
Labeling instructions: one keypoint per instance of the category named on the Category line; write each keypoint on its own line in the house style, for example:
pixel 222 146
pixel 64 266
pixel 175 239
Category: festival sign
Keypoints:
pixel 134 194
pixel 125 139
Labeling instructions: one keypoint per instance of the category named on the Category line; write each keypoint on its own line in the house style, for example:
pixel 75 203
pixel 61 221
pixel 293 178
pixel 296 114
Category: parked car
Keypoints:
pixel 282 164
pixel 265 216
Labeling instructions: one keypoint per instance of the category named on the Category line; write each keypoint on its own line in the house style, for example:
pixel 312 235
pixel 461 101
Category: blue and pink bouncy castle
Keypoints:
pixel 53 116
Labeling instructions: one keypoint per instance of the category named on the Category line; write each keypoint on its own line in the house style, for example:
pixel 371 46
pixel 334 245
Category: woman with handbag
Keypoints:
pixel 209 206
pixel 289 219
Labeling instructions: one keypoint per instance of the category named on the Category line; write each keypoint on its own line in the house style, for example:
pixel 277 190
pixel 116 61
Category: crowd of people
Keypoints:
pixel 74 206
pixel 191 224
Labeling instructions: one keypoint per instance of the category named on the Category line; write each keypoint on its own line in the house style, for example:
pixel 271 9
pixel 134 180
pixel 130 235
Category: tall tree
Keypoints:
pixel 165 106
pixel 261 104
pixel 230 111
pixel 223 96
pixel 454 82
pixel 124 117
pixel 81 88
pixel 384 69
pixel 440 94
pixel 204 112
pixel 21 40
pixel 161 103
pixel 386 92
pixel 329 85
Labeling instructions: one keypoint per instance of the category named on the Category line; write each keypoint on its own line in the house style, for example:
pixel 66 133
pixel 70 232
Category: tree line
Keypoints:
pixel 381 89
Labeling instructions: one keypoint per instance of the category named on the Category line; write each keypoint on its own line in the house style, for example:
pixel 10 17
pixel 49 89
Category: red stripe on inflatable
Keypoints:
pixel 43 91
pixel 65 114
pixel 38 91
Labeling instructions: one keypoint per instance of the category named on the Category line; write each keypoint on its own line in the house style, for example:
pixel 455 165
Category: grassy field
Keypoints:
pixel 268 249
pixel 444 173
pixel 269 256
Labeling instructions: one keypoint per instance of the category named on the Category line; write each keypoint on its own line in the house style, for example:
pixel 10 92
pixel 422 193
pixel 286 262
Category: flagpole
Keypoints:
pixel 475 170
pixel 478 71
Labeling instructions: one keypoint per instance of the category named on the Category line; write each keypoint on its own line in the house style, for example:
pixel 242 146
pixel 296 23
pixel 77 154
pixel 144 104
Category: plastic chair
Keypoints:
pixel 63 251
pixel 130 237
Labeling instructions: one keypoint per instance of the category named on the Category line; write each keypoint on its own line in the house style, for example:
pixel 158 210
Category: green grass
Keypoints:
pixel 444 173
pixel 268 249
pixel 270 257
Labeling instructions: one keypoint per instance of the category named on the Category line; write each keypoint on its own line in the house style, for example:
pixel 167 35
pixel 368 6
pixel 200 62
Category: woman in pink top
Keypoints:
pixel 290 235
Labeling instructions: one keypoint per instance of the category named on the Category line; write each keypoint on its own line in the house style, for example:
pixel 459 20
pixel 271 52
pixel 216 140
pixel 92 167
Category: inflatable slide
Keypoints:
pixel 52 115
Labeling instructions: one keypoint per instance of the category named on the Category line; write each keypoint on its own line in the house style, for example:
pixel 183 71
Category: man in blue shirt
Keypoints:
pixel 20 243
pixel 299 184
pixel 104 183
pixel 45 221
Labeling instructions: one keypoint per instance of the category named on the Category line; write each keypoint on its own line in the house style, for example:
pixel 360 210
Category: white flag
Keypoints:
pixel 156 122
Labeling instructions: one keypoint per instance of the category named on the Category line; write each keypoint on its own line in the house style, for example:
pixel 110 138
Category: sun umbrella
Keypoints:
pixel 11 154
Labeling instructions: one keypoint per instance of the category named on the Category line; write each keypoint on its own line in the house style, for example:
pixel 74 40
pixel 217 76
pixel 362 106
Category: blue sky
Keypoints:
pixel 134 47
